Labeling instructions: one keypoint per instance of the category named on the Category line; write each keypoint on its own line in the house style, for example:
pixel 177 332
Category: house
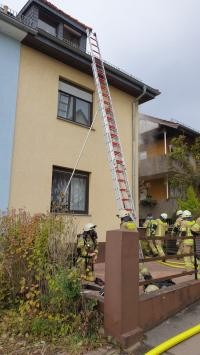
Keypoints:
pixel 48 104
pixel 155 137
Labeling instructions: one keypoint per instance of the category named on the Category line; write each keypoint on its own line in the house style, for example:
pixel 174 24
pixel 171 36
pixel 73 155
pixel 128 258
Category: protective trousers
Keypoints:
pixel 159 246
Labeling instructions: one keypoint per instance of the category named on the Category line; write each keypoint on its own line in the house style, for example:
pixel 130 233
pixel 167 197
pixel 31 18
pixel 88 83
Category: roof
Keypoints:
pixel 55 9
pixel 66 52
pixel 170 123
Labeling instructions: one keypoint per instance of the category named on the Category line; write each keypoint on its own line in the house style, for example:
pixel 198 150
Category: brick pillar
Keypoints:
pixel 121 300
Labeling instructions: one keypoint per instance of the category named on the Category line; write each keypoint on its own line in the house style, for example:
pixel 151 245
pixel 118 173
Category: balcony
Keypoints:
pixel 167 206
pixel 154 166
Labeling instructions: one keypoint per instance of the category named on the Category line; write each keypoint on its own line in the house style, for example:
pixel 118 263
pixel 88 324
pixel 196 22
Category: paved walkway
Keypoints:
pixel 182 321
pixel 176 324
pixel 173 326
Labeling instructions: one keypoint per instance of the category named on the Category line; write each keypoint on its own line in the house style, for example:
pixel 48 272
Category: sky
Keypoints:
pixel 157 41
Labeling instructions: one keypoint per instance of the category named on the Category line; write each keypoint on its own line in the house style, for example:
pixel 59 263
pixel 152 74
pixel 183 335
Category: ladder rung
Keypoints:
pixel 123 190
pixel 119 171
pixel 117 153
pixel 96 52
pixel 119 161
pixel 115 144
pixel 105 95
pixel 100 71
pixel 106 102
pixel 98 60
pixel 121 180
pixel 113 135
pixel 112 127
pixel 125 199
pixel 110 119
pixel 102 80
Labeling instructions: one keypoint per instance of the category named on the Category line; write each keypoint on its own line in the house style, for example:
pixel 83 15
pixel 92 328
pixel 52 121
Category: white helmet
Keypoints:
pixel 123 213
pixel 186 214
pixel 164 215
pixel 179 213
pixel 151 288
pixel 89 226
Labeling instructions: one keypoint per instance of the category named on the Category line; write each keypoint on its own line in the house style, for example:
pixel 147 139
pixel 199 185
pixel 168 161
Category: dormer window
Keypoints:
pixel 46 24
pixel 71 35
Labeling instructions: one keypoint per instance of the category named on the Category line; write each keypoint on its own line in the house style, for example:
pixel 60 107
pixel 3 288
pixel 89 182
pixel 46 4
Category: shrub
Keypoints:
pixel 38 281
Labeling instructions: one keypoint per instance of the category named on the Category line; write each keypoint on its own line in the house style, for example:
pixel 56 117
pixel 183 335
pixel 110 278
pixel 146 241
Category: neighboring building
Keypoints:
pixel 49 102
pixel 156 196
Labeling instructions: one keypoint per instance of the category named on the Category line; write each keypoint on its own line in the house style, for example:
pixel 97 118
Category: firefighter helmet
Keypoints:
pixel 123 213
pixel 89 226
pixel 186 214
pixel 164 216
pixel 179 213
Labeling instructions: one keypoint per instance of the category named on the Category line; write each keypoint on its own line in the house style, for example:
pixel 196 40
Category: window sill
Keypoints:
pixel 75 123
pixel 72 214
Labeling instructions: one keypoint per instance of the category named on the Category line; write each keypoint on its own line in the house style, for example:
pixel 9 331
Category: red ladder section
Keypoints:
pixel 115 154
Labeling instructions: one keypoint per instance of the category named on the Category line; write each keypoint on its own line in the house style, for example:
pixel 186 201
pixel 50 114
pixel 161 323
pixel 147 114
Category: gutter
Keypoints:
pixel 17 23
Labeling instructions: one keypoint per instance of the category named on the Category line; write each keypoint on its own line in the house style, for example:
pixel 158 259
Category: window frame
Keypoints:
pixel 48 20
pixel 78 173
pixel 74 105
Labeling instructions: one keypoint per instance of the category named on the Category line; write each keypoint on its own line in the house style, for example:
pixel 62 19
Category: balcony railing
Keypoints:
pixel 154 166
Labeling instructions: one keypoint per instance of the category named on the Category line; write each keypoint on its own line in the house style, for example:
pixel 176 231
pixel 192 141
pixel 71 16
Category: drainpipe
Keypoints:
pixel 167 187
pixel 135 164
pixel 165 142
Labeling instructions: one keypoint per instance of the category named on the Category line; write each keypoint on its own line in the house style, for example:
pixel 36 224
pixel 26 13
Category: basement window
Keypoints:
pixel 74 104
pixel 77 196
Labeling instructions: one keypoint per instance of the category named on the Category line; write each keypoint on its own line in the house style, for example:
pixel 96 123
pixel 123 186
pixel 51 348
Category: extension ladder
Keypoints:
pixel 122 190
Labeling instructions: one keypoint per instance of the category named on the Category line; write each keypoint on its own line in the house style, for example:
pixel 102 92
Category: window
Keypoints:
pixel 76 198
pixel 46 24
pixel 74 104
pixel 71 35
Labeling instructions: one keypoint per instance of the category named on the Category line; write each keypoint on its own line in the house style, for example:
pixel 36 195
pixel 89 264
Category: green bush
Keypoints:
pixel 38 282
pixel 191 202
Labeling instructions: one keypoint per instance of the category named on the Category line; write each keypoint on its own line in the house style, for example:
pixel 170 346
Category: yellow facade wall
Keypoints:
pixel 41 141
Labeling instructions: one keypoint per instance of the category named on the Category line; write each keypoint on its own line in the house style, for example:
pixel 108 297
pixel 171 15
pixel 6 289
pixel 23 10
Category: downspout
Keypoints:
pixel 135 162
pixel 165 152
pixel 165 142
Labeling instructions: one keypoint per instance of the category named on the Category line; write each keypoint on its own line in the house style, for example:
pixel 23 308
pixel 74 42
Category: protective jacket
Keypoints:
pixel 160 227
pixel 130 225
pixel 185 230
pixel 148 224
pixel 196 227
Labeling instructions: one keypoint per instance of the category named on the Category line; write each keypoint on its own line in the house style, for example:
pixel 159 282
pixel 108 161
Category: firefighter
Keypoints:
pixel 161 227
pixel 150 232
pixel 176 231
pixel 196 232
pixel 188 244
pixel 87 250
pixel 127 223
